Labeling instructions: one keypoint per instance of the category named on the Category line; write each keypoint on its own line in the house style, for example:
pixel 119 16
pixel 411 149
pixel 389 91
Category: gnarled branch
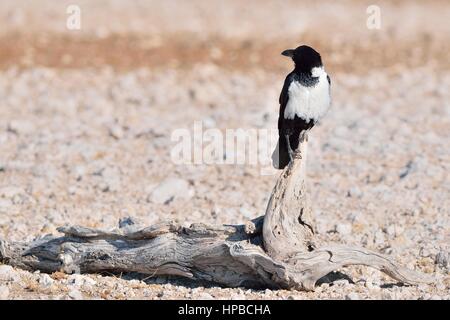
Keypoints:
pixel 275 251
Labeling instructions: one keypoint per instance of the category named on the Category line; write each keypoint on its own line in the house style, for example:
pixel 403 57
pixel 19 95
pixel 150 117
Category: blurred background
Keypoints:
pixel 232 34
pixel 86 116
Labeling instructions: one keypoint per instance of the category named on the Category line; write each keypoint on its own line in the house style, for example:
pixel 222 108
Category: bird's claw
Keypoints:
pixel 291 156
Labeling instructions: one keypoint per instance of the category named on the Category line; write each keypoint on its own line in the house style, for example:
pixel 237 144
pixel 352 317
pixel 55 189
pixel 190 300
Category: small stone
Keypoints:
pixel 20 127
pixel 325 286
pixel 354 192
pixel 103 186
pixel 89 282
pixel 442 259
pixel 48 228
pixel 79 280
pixel 407 169
pixel 76 294
pixel 116 132
pixel 426 296
pixel 209 123
pixel 11 192
pixel 352 296
pixel 46 280
pixel 127 222
pixel 7 273
pixel 344 228
pixel 75 280
pixel 170 189
pixel 79 172
pixel 394 230
pixel 341 282
pixel 250 227
pixel 205 296
pixel 386 295
pixel 369 284
pixel 111 180
pixel 379 238
pixel 4 292
pixel 72 190
pixel 5 204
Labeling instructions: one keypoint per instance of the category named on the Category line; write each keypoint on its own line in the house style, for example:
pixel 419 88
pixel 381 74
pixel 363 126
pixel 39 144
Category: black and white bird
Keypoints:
pixel 304 100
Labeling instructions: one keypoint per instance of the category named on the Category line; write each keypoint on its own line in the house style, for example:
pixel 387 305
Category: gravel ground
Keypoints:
pixel 88 143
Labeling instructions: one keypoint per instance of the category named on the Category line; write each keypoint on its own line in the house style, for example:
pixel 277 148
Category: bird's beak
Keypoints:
pixel 288 53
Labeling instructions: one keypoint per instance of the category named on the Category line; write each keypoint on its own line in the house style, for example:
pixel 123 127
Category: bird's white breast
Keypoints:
pixel 309 103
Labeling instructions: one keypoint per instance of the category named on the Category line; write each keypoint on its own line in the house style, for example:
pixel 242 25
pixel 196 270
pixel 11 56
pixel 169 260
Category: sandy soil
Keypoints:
pixel 86 119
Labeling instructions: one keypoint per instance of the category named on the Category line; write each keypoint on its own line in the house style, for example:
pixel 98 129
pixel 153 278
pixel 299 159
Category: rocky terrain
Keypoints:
pixel 87 117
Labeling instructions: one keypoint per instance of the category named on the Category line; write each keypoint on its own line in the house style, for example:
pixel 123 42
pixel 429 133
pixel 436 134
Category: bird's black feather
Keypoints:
pixel 289 129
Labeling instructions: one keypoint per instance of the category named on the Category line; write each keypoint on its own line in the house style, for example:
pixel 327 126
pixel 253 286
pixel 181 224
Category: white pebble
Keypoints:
pixel 7 273
pixel 344 228
pixel 205 296
pixel 352 296
pixel 79 280
pixel 46 280
pixel 170 189
pixel 355 192
pixel 76 294
pixel 4 292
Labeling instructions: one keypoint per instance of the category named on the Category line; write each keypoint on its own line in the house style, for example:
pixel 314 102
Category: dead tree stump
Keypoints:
pixel 275 251
pixel 288 225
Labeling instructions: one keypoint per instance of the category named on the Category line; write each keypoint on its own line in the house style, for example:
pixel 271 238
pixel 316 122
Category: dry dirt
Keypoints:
pixel 86 119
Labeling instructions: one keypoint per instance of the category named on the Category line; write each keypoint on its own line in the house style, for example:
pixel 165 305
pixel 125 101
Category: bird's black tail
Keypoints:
pixel 280 157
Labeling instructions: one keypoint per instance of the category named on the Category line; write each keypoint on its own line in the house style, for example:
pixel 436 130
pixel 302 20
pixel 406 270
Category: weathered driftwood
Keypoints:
pixel 275 251
pixel 288 225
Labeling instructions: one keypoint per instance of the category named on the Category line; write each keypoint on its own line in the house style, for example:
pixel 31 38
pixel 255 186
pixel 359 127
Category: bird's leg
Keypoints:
pixel 302 136
pixel 291 153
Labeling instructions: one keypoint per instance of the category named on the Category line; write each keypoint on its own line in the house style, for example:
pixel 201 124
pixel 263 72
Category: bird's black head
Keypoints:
pixel 304 57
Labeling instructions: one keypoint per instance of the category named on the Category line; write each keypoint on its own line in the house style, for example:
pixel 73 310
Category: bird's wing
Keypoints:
pixel 284 98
